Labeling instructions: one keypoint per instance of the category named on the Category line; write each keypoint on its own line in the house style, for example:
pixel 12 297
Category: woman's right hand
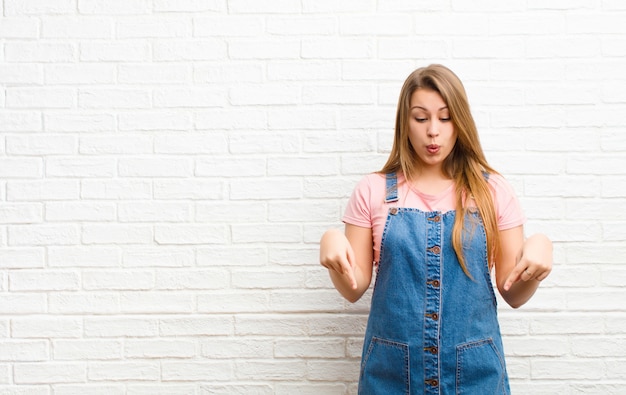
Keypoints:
pixel 336 254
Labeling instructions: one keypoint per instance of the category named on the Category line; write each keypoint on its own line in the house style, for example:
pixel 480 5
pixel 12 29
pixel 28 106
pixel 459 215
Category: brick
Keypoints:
pixel 79 349
pixel 114 7
pixel 224 73
pixel 193 279
pixel 24 350
pixel 31 280
pixel 190 234
pixel 21 73
pixel 156 302
pixel 111 327
pixel 161 389
pixel 193 50
pixel 243 302
pixel 126 143
pixel 329 6
pixel 80 167
pixel 263 49
pixel 79 73
pixel 127 280
pixel 189 97
pixel 151 121
pixel 153 212
pixel 230 119
pixel 43 235
pixel 42 190
pixel 157 73
pixel 97 389
pixel 115 189
pixel 18 168
pixel 266 233
pixel 188 5
pixel 227 348
pixel 309 71
pixel 188 189
pixel 114 98
pixel 153 27
pixel 83 303
pixel 22 258
pixel 218 166
pixel 123 370
pixel 379 25
pixel 19 27
pixel 195 371
pixel 206 143
pixel 159 349
pixel 20 213
pixel 155 167
pixel 310 348
pixel 160 256
pixel 110 51
pixel 40 145
pixel 197 325
pixel 77 257
pixel 263 6
pixel 79 212
pixel 14 121
pixel 50 372
pixel 116 233
pixel 338 48
pixel 38 7
pixel 76 27
pixel 44 327
pixel 301 25
pixel 288 369
pixel 274 94
pixel 63 122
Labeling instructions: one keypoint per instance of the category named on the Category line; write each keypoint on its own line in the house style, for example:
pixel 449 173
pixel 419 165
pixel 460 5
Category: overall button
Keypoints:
pixel 433 316
pixel 432 382
pixel 435 249
pixel 432 350
pixel 436 218
pixel 393 211
pixel 434 283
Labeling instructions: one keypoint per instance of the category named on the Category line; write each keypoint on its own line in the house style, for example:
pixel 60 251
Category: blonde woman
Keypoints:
pixel 434 224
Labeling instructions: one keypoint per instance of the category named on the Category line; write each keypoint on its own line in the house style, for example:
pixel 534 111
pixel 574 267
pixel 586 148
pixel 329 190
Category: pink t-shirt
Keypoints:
pixel 367 207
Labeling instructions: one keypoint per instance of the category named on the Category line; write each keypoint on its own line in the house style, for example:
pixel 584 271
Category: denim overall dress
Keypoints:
pixel 431 329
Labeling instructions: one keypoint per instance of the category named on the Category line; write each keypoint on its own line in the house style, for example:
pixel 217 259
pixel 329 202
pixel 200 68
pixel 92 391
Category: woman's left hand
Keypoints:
pixel 535 262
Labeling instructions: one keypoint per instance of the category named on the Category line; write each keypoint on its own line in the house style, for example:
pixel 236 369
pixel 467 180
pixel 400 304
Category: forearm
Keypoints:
pixel 520 293
pixel 534 265
pixel 342 284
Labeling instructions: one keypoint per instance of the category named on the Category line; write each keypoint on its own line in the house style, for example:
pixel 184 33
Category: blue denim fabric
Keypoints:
pixel 432 329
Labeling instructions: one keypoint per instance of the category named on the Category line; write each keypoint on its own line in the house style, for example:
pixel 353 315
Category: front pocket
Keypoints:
pixel 385 368
pixel 480 369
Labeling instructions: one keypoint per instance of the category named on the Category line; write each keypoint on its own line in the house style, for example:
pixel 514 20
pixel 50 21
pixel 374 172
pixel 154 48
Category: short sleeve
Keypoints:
pixel 358 211
pixel 508 208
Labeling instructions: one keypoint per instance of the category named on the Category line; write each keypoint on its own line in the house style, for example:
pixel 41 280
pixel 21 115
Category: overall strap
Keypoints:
pixel 392 188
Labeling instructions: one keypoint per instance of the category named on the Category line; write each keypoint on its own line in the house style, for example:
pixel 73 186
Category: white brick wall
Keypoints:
pixel 168 166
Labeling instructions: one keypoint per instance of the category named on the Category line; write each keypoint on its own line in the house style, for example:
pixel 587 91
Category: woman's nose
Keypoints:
pixel 433 129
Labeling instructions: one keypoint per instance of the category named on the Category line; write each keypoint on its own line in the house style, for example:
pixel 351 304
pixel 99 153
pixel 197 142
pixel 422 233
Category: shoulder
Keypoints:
pixel 372 183
pixel 500 185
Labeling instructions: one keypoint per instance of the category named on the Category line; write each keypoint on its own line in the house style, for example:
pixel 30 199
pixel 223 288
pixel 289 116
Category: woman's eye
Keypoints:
pixel 420 119
pixel 444 119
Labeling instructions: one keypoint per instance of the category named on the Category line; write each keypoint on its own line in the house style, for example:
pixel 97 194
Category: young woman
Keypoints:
pixel 435 222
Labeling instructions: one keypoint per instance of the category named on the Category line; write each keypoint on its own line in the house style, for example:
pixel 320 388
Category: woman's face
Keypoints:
pixel 431 131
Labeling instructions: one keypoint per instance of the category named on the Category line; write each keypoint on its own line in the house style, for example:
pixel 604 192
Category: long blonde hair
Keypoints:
pixel 466 164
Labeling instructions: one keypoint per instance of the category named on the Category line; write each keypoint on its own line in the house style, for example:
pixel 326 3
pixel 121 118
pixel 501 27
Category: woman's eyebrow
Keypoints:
pixel 423 108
